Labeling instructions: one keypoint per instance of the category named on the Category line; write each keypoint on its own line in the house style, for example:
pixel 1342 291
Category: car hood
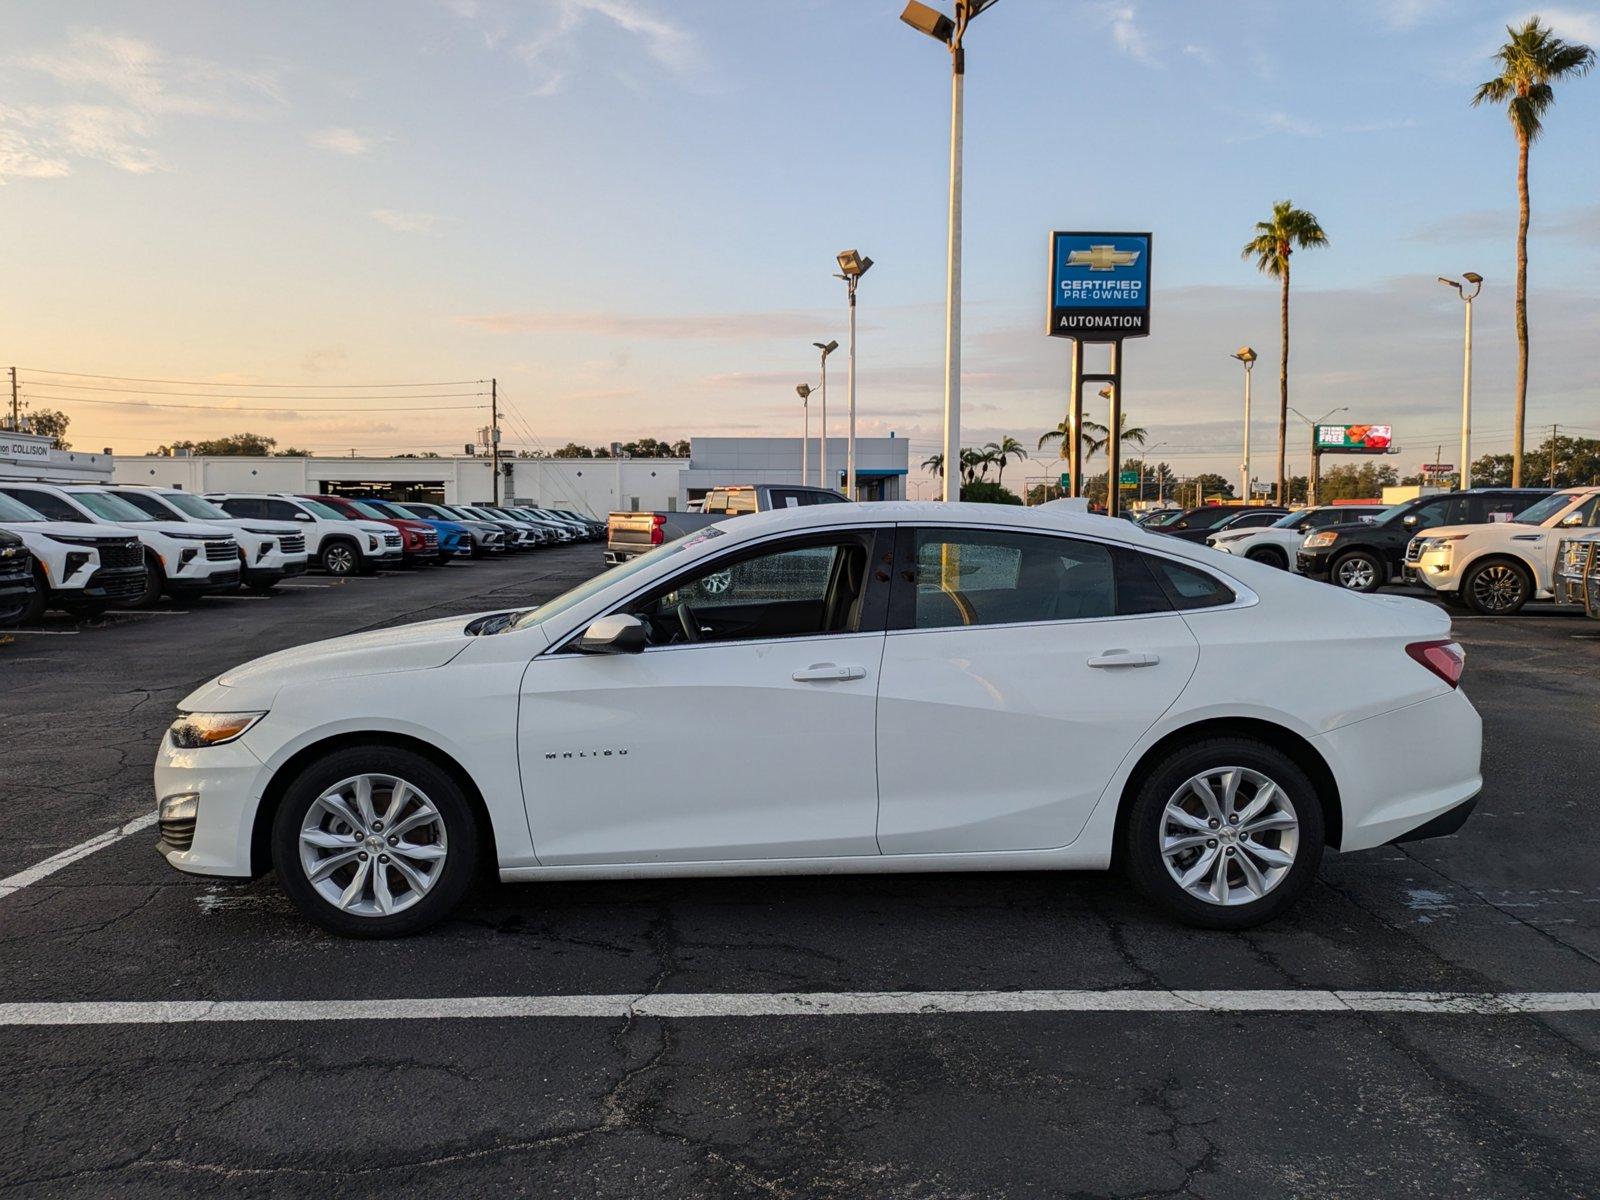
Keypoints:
pixel 265 526
pixel 1479 527
pixel 416 647
pixel 187 529
pixel 69 529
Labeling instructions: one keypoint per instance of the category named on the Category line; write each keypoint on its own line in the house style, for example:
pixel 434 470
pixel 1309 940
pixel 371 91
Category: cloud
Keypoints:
pixel 1581 25
pixel 1126 33
pixel 755 326
pixel 340 140
pixel 1202 53
pixel 1580 224
pixel 407 222
pixel 119 91
pixel 1408 14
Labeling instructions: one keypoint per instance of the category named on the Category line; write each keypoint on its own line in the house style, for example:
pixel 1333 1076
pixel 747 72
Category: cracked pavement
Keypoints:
pixel 928 1105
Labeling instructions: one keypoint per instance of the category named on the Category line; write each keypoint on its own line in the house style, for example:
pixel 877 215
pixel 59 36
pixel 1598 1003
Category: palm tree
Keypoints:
pixel 1002 452
pixel 974 463
pixel 1099 437
pixel 1290 229
pixel 935 464
pixel 1062 431
pixel 1531 60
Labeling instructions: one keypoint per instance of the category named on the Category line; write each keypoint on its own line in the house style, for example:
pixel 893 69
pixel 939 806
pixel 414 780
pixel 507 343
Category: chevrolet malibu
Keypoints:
pixel 841 688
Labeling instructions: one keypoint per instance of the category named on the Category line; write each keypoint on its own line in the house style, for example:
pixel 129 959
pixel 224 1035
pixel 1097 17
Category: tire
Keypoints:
pixel 450 837
pixel 155 582
pixel 1277 885
pixel 1496 588
pixel 1359 571
pixel 36 603
pixel 1270 555
pixel 340 557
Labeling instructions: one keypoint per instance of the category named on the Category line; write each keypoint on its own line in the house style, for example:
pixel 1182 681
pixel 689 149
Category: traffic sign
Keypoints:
pixel 1128 478
pixel 1066 479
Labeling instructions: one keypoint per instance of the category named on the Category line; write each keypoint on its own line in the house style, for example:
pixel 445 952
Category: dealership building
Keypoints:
pixel 588 485
pixel 29 456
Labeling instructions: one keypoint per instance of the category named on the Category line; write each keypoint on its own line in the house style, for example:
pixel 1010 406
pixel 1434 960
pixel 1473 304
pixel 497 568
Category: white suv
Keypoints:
pixel 1496 568
pixel 75 569
pixel 1277 545
pixel 181 558
pixel 1577 578
pixel 341 544
pixel 269 551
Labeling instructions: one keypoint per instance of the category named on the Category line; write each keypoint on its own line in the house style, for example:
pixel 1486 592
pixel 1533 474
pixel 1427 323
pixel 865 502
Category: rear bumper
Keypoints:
pixel 1448 822
pixel 1400 771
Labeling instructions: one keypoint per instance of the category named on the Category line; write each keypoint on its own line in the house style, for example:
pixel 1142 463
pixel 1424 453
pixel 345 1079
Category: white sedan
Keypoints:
pixel 841 688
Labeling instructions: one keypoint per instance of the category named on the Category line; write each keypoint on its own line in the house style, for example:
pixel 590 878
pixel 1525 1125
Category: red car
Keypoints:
pixel 419 541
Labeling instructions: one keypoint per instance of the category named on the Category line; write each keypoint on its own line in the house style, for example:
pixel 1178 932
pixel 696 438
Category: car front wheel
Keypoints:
pixel 1359 571
pixel 1496 589
pixel 375 842
pixel 340 558
pixel 1270 555
pixel 1224 833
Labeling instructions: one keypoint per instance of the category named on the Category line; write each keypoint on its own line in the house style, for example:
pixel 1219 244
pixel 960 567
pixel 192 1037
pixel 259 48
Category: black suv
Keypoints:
pixel 1363 556
pixel 16 578
pixel 1197 524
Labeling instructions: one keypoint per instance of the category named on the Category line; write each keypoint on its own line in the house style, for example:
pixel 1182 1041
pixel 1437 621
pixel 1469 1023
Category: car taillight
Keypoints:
pixel 657 533
pixel 1445 659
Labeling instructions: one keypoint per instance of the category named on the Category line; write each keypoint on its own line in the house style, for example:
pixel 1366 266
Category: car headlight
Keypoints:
pixel 372 542
pixel 1437 543
pixel 195 731
pixel 1317 541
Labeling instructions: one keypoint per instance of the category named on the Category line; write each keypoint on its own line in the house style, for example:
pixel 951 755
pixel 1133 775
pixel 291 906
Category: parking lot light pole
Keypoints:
pixel 852 266
pixel 1248 357
pixel 805 433
pixel 943 29
pixel 826 348
pixel 1464 471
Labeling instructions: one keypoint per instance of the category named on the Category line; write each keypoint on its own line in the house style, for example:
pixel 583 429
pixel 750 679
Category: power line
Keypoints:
pixel 240 408
pixel 87 387
pixel 215 383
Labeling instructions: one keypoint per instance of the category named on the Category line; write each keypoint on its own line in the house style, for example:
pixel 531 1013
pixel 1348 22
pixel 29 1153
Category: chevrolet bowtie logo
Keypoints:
pixel 1102 258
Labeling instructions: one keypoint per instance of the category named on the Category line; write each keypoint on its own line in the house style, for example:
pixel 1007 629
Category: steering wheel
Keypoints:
pixel 687 619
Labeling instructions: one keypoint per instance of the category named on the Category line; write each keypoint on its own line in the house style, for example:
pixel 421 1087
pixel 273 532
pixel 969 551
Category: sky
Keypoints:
pixel 627 212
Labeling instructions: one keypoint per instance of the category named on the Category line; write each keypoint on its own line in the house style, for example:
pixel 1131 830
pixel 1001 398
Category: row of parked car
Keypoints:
pixel 84 548
pixel 1491 549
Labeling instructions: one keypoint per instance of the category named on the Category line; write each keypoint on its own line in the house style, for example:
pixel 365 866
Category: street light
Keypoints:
pixel 1248 357
pixel 852 266
pixel 943 29
pixel 805 437
pixel 1314 484
pixel 827 348
pixel 1161 483
pixel 1476 280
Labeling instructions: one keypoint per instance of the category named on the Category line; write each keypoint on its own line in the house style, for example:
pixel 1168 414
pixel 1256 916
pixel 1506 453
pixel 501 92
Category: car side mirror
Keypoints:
pixel 1571 519
pixel 1409 520
pixel 1303 527
pixel 302 516
pixel 1180 525
pixel 618 633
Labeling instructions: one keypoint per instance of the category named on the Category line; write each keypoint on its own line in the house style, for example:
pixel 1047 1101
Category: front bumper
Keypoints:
pixel 1314 564
pixel 199 585
pixel 114 585
pixel 275 567
pixel 227 780
pixel 1432 569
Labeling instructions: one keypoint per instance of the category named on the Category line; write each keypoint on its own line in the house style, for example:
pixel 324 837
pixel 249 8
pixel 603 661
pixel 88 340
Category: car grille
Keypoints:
pixel 292 543
pixel 225 579
pixel 391 539
pixel 222 550
pixel 118 555
pixel 1414 550
pixel 430 539
pixel 13 570
pixel 178 834
pixel 119 584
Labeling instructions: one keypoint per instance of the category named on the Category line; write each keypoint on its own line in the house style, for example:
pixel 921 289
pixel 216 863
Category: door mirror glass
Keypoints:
pixel 302 516
pixel 1409 520
pixel 1573 518
pixel 1303 527
pixel 618 633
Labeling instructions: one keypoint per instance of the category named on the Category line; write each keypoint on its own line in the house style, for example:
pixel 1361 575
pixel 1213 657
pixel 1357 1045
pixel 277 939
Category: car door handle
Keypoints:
pixel 828 673
pixel 1125 658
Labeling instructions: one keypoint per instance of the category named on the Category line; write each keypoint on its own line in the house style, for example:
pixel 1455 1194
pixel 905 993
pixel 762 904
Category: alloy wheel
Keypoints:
pixel 373 845
pixel 1357 574
pixel 339 560
pixel 1497 588
pixel 1229 835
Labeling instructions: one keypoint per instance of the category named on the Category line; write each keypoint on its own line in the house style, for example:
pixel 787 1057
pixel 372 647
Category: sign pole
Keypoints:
pixel 1114 435
pixel 1074 435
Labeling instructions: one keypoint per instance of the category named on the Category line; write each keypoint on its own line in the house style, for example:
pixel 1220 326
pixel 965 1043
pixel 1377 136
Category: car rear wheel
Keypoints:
pixel 1359 571
pixel 340 558
pixel 1497 589
pixel 1270 555
pixel 375 842
pixel 1224 833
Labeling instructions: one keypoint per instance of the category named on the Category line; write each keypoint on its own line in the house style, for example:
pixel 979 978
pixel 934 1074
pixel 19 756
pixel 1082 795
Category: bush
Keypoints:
pixel 984 492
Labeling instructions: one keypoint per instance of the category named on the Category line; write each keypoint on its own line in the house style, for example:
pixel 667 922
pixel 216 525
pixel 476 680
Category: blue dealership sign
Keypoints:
pixel 1099 286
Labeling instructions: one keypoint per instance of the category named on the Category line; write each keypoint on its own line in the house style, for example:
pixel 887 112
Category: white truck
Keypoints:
pixel 80 570
pixel 180 558
pixel 1496 568
pixel 341 545
pixel 269 551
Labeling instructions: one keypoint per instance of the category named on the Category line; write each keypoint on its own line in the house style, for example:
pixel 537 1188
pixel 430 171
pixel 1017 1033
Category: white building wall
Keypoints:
pixel 29 456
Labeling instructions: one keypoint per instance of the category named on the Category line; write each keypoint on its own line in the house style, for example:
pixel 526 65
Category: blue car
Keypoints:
pixel 454 541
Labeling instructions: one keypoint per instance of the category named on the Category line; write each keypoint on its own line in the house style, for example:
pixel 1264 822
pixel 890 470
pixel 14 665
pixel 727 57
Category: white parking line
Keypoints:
pixel 33 874
pixel 795 1004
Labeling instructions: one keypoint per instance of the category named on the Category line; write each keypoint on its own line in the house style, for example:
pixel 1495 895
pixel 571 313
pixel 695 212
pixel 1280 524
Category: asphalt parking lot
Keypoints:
pixel 1113 1076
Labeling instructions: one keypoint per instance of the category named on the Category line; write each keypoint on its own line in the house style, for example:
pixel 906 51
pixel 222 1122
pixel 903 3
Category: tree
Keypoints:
pixel 48 422
pixel 1350 481
pixel 984 491
pixel 934 464
pixel 246 445
pixel 1002 452
pixel 1289 229
pixel 1208 485
pixel 974 464
pixel 1101 436
pixel 573 450
pixel 1531 60
pixel 1060 434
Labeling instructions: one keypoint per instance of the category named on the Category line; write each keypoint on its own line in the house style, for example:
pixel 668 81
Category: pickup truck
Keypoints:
pixel 630 534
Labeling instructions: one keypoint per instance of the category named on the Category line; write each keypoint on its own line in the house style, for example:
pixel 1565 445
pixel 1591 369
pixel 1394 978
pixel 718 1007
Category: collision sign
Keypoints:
pixel 1099 286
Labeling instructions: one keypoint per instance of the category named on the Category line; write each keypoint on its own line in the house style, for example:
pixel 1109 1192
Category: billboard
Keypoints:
pixel 1354 439
pixel 1099 286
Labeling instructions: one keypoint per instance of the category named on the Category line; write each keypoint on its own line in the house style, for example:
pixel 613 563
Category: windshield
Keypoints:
pixel 112 508
pixel 605 579
pixel 1545 509
pixel 16 510
pixel 194 506
pixel 326 512
pixel 421 511
pixel 367 510
pixel 1290 520
pixel 1390 513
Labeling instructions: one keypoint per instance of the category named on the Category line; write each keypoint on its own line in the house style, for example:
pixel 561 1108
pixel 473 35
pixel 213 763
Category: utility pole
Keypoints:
pixel 16 411
pixel 494 437
pixel 1553 429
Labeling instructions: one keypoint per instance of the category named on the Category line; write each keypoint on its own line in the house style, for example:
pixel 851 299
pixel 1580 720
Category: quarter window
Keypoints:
pixel 1188 587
